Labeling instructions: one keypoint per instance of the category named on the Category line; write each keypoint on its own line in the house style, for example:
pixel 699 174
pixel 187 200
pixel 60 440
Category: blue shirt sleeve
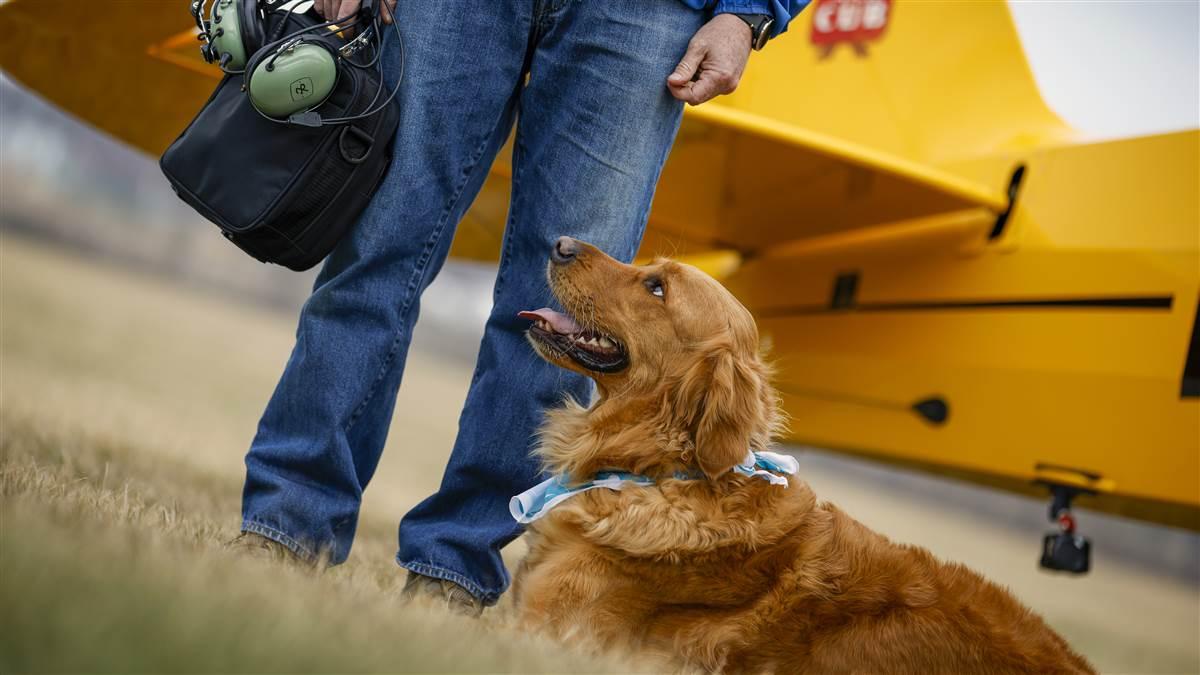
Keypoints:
pixel 781 10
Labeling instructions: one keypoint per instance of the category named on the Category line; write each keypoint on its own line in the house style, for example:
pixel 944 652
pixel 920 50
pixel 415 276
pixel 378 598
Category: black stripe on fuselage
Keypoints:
pixel 1190 387
pixel 1153 302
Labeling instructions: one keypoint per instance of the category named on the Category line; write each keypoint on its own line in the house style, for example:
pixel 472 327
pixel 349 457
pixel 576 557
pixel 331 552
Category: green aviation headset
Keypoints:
pixel 288 76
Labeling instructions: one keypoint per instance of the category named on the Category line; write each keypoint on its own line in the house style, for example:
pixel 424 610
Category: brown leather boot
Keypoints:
pixel 254 545
pixel 441 593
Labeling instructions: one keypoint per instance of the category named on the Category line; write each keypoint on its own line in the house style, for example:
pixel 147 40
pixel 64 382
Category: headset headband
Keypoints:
pixel 367 18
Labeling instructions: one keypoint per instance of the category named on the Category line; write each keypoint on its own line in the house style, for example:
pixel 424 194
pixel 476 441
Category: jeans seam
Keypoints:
pixel 510 223
pixel 418 271
pixel 550 8
pixel 279 537
pixel 506 247
pixel 431 570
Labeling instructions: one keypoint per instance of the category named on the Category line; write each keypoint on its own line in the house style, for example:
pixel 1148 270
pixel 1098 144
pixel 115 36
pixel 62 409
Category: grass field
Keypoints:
pixel 127 402
pixel 126 408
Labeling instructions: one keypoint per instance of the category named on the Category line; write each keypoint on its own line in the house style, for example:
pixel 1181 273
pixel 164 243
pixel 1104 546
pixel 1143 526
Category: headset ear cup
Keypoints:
pixel 252 67
pixel 227 40
pixel 298 79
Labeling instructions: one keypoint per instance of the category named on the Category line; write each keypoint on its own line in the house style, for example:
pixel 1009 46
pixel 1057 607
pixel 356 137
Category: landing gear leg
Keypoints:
pixel 1065 551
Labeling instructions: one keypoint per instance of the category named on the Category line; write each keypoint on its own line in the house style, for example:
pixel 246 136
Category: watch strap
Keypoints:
pixel 760 26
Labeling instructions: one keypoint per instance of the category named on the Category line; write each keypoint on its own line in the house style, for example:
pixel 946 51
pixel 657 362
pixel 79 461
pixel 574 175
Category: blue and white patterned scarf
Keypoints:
pixel 539 499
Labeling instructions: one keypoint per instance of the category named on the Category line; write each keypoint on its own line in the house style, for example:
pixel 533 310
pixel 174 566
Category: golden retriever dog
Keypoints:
pixel 708 567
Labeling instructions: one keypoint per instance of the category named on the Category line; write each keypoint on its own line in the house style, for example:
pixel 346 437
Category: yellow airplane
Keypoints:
pixel 951 277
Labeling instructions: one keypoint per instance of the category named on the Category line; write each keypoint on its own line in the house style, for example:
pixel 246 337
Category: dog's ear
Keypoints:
pixel 723 399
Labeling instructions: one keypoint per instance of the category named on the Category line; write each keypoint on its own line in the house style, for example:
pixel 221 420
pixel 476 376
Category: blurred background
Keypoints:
pixel 138 348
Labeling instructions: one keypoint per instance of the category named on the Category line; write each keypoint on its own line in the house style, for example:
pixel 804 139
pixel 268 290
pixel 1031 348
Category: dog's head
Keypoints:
pixel 672 352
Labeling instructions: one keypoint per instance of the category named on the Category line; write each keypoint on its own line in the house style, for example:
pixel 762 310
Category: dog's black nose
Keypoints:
pixel 564 250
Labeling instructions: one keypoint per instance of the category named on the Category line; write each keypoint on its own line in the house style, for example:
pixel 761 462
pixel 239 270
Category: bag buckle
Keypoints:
pixel 359 135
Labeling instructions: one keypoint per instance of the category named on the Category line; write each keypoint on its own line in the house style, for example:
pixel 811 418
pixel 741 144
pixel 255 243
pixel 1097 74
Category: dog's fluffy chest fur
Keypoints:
pixel 744 576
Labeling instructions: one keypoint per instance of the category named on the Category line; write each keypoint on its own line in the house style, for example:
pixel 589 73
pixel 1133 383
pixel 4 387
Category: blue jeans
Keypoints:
pixel 585 83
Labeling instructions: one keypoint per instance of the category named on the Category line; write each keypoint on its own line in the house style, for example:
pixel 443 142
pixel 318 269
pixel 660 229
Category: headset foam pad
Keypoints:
pixel 251 24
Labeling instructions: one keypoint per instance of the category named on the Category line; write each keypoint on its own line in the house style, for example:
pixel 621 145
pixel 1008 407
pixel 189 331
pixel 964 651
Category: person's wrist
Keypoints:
pixel 732 19
pixel 760 26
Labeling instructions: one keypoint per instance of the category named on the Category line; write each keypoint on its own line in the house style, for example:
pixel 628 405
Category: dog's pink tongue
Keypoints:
pixel 561 323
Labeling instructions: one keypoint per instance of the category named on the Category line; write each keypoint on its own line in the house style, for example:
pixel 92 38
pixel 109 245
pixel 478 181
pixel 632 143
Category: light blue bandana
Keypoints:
pixel 539 499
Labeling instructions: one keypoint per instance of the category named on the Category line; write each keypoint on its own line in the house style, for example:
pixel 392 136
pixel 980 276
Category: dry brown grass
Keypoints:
pixel 115 563
pixel 125 408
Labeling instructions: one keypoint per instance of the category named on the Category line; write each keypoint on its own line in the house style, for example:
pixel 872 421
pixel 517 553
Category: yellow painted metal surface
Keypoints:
pixel 849 194
pixel 1094 388
pixel 104 64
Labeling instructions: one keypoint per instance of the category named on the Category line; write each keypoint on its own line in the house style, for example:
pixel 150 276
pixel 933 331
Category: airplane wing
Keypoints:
pixel 130 69
pixel 746 182
pixel 738 180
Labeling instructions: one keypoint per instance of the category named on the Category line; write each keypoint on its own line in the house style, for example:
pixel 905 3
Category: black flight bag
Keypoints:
pixel 285 193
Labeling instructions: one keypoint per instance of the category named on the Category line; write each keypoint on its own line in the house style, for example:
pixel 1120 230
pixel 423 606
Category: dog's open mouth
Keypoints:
pixel 589 348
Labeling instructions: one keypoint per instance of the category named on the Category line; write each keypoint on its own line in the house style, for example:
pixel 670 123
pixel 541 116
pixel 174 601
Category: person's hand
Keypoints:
pixel 714 62
pixel 331 10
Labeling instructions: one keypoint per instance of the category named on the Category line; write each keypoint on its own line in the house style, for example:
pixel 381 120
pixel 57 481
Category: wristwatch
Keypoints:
pixel 760 28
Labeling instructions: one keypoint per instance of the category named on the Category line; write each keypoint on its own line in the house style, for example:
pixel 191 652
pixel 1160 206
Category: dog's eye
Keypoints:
pixel 655 287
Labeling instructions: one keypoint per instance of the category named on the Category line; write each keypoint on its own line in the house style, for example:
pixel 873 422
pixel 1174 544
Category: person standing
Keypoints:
pixel 596 90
